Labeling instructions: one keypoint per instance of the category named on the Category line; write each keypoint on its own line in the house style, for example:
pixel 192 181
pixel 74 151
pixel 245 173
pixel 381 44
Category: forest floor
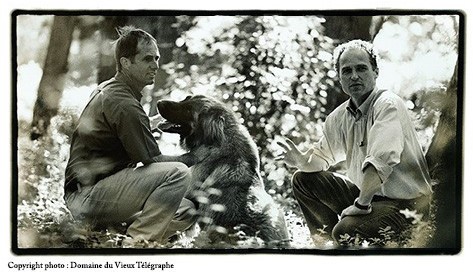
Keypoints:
pixel 43 220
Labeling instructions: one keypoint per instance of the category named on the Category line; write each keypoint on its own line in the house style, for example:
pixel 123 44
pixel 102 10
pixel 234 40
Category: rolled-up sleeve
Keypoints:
pixel 385 140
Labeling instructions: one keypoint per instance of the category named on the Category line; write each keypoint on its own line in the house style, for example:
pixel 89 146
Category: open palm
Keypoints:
pixel 292 156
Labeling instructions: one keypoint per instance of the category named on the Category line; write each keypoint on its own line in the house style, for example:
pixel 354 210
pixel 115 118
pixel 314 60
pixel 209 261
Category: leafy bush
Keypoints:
pixel 416 236
pixel 275 72
pixel 41 209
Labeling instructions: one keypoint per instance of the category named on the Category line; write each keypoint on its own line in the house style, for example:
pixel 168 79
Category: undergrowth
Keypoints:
pixel 45 222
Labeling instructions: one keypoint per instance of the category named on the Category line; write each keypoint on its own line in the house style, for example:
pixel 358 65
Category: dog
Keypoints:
pixel 227 185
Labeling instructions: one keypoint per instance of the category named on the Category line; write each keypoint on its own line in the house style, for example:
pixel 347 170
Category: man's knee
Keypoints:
pixel 346 226
pixel 179 169
pixel 171 171
pixel 296 178
pixel 364 226
pixel 182 174
pixel 301 180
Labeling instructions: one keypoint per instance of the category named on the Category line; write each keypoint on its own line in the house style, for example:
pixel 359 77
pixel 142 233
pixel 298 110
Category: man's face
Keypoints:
pixel 357 76
pixel 143 67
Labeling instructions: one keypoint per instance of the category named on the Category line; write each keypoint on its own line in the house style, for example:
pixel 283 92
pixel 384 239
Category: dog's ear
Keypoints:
pixel 213 125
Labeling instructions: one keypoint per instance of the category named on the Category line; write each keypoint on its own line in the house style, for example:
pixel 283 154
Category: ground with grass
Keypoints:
pixel 45 222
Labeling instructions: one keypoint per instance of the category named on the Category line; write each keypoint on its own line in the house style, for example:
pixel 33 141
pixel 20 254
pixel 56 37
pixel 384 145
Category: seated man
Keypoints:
pixel 103 183
pixel 373 133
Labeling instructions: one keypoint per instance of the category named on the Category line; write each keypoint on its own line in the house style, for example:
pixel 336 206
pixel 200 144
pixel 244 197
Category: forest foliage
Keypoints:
pixel 275 72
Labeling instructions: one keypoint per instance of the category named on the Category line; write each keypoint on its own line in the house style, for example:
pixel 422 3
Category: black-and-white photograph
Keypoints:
pixel 311 132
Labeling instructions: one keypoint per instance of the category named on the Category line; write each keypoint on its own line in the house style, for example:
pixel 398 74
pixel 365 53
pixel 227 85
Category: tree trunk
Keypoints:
pixel 443 160
pixel 346 28
pixel 54 75
pixel 108 33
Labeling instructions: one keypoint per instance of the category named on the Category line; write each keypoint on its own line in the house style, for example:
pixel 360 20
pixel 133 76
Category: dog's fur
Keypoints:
pixel 227 184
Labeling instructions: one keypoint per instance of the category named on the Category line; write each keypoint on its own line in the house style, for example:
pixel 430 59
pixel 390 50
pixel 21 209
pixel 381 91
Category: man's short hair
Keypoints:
pixel 127 43
pixel 358 44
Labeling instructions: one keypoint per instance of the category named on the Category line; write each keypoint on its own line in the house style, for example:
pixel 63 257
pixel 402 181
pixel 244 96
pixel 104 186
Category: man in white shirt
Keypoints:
pixel 386 168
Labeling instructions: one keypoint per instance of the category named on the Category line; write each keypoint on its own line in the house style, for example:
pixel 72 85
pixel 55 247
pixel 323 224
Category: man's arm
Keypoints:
pixel 385 145
pixel 370 185
pixel 304 161
pixel 189 159
pixel 132 127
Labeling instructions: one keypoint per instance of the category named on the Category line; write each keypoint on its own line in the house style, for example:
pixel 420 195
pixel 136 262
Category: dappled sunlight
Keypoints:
pixel 274 72
pixel 75 98
pixel 29 76
pixel 205 28
pixel 416 51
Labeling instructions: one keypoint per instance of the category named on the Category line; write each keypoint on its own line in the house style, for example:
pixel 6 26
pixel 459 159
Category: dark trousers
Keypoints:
pixel 322 197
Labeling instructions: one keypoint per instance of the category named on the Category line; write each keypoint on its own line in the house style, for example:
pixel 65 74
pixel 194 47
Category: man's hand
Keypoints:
pixel 190 158
pixel 155 120
pixel 292 156
pixel 354 210
pixel 370 185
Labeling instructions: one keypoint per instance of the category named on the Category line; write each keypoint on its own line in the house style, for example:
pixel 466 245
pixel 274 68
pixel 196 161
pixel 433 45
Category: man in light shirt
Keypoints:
pixel 386 168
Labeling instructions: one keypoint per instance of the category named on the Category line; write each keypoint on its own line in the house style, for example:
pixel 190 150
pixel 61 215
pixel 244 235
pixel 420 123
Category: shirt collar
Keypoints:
pixel 135 90
pixel 364 107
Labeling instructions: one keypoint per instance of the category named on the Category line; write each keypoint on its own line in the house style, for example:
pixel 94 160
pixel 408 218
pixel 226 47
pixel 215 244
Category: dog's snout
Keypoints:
pixel 163 102
pixel 163 105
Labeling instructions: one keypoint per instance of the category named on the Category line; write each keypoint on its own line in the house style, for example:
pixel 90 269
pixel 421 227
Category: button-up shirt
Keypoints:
pixel 379 133
pixel 113 132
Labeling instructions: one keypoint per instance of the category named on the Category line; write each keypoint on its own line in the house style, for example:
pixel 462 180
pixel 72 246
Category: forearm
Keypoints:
pixel 191 158
pixel 187 158
pixel 370 185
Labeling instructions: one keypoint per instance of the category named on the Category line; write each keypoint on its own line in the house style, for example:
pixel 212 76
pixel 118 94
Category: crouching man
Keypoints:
pixel 104 185
pixel 386 169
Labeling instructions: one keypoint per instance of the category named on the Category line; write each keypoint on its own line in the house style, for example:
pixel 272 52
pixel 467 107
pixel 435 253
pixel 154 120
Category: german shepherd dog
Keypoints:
pixel 227 186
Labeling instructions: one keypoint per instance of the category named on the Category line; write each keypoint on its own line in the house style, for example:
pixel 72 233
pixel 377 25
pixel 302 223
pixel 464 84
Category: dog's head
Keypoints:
pixel 197 119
